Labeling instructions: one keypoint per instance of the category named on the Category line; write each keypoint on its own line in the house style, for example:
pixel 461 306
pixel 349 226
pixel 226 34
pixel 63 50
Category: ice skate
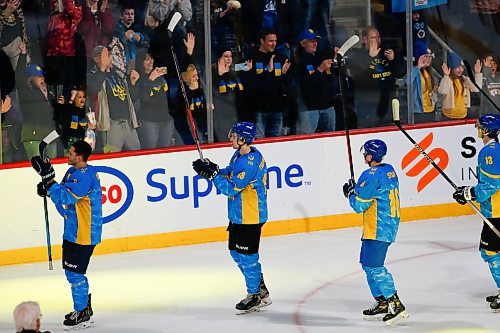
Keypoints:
pixel 89 306
pixel 491 298
pixel 377 311
pixel 250 304
pixel 396 311
pixel 495 304
pixel 78 320
pixel 265 300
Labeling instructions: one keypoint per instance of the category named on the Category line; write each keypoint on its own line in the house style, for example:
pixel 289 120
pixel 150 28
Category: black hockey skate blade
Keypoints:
pixel 243 312
pixel 81 326
pixel 398 319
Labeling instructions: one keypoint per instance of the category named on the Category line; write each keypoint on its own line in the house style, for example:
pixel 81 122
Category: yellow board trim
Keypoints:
pixel 200 236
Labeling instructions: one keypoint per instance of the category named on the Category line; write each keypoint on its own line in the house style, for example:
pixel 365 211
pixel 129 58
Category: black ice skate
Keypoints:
pixel 249 304
pixel 495 304
pixel 396 311
pixel 491 298
pixel 265 300
pixel 89 306
pixel 377 311
pixel 78 320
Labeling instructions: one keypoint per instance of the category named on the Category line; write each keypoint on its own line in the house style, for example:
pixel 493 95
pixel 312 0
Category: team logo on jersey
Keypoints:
pixel 439 155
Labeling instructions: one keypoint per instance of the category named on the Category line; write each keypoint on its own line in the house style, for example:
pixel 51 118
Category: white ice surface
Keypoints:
pixel 315 281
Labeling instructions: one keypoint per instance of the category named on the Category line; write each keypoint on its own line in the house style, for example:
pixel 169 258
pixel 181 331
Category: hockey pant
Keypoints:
pixel 251 269
pixel 79 289
pixel 380 281
pixel 493 261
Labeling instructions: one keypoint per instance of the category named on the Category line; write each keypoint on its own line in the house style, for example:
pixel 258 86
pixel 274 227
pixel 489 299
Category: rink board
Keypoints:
pixel 156 200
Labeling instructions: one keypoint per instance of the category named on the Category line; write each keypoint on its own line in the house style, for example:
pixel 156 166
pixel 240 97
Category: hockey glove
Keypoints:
pixel 349 188
pixel 43 167
pixel 206 168
pixel 42 189
pixel 464 194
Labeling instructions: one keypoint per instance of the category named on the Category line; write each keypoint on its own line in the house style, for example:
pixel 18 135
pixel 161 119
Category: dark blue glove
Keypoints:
pixel 349 188
pixel 463 194
pixel 206 168
pixel 43 167
pixel 42 189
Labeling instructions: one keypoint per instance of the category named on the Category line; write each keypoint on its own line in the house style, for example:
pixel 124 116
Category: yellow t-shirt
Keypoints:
pixel 460 111
pixel 425 81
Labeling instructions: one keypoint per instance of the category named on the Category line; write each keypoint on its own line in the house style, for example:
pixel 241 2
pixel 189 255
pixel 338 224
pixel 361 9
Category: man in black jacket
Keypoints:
pixel 315 75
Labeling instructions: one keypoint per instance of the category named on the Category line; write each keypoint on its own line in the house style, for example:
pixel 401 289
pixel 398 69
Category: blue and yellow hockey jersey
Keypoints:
pixel 377 197
pixel 80 197
pixel 488 174
pixel 244 182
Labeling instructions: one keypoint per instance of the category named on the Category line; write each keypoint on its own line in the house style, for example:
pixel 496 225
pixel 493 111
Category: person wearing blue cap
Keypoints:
pixel 315 77
pixel 456 87
pixel 35 102
pixel 423 83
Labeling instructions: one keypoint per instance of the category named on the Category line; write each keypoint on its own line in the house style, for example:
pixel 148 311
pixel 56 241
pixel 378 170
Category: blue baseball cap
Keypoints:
pixel 34 70
pixel 308 34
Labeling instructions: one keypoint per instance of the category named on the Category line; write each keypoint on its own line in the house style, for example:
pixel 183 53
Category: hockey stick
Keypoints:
pixel 171 26
pixel 395 117
pixel 468 68
pixel 41 149
pixel 340 54
pixel 348 44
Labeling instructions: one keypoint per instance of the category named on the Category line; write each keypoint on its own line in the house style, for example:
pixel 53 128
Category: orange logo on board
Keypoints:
pixel 439 155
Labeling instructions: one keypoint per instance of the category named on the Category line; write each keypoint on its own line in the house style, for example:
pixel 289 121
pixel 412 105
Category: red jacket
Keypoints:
pixel 96 31
pixel 61 28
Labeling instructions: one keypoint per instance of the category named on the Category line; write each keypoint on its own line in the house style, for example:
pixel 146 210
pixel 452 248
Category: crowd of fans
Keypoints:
pixel 103 71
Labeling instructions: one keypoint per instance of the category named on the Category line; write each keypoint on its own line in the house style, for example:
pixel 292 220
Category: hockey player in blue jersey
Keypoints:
pixel 244 183
pixel 79 196
pixel 376 195
pixel 487 194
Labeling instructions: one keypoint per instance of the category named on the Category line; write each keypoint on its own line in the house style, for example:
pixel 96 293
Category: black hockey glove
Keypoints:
pixel 206 168
pixel 349 188
pixel 43 167
pixel 42 189
pixel 464 194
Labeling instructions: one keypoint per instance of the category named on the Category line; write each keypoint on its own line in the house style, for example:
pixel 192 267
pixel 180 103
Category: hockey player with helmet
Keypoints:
pixel 244 183
pixel 487 194
pixel 376 195
pixel 79 196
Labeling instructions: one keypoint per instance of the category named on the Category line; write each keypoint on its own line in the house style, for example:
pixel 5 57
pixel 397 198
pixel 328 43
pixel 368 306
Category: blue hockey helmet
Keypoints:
pixel 244 130
pixel 375 147
pixel 489 124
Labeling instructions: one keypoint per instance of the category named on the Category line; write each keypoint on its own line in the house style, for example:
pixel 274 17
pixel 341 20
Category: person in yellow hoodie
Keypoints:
pixel 456 88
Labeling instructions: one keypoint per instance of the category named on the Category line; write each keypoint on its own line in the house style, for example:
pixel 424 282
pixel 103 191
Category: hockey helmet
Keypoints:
pixel 375 147
pixel 244 130
pixel 489 124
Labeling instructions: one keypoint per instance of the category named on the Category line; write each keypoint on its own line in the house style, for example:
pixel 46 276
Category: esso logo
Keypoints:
pixel 117 193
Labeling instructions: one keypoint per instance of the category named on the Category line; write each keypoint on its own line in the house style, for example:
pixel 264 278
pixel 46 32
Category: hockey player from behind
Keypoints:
pixel 79 196
pixel 487 194
pixel 376 195
pixel 244 183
